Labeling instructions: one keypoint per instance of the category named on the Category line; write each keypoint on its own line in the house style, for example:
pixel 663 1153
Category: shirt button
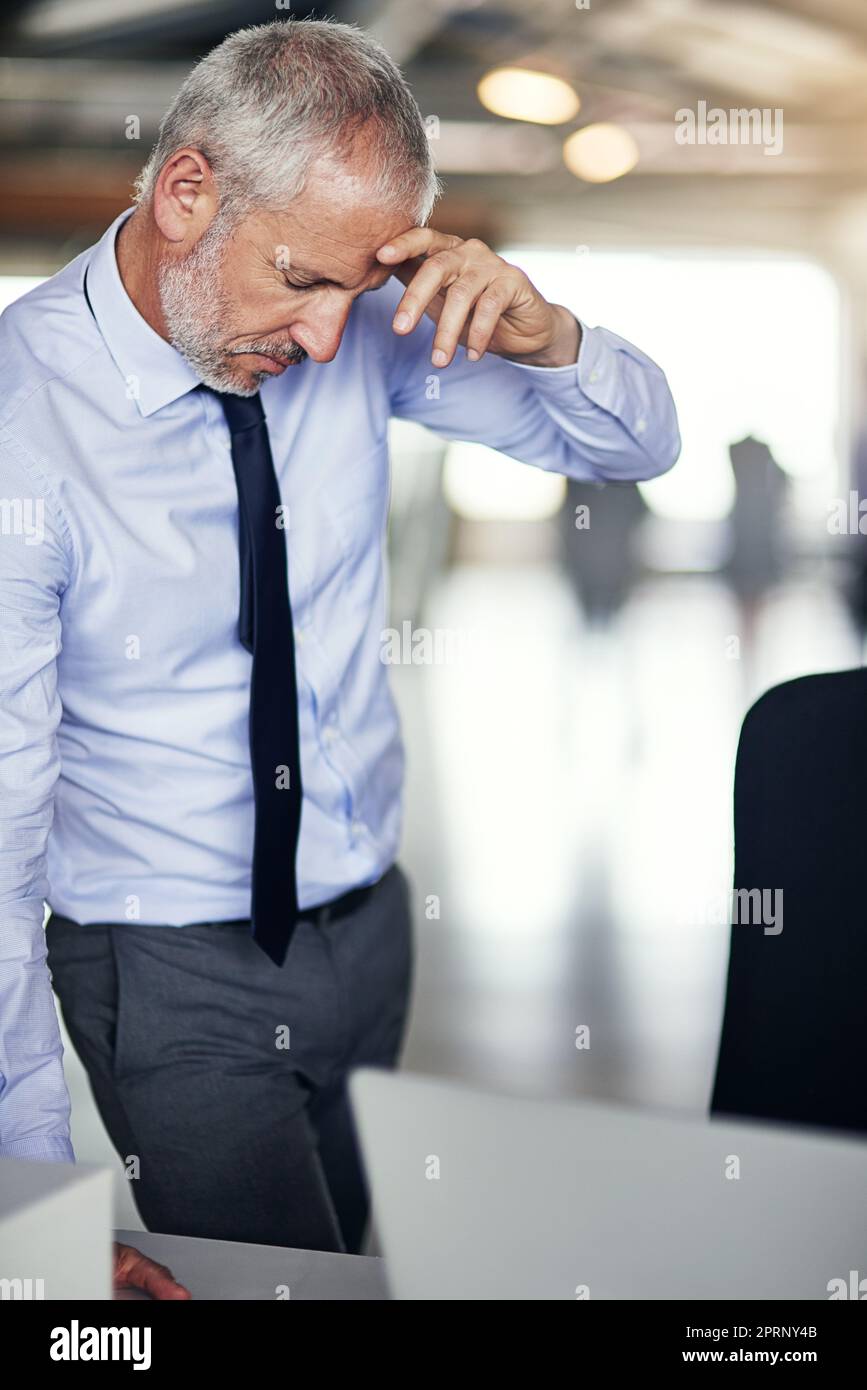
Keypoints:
pixel 356 827
pixel 640 426
pixel 594 376
pixel 329 733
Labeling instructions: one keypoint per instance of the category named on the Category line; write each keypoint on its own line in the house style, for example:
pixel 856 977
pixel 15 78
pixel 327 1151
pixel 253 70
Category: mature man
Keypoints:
pixel 209 551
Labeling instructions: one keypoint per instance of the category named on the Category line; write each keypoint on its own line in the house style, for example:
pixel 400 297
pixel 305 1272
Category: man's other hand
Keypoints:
pixel 133 1270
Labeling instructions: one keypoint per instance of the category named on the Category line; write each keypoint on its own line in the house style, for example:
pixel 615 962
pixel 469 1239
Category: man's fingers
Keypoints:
pixel 459 300
pixel 489 308
pixel 159 1282
pixel 427 282
pixel 406 270
pixel 135 1270
pixel 418 241
pixel 461 285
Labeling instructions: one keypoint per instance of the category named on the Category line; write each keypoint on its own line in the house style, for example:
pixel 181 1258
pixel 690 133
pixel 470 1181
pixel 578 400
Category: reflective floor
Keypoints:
pixel 568 828
pixel 569 802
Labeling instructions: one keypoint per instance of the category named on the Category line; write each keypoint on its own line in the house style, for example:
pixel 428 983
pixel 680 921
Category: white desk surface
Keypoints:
pixel 219 1269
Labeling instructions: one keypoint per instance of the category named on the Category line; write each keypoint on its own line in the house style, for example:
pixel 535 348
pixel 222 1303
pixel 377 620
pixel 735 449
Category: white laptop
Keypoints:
pixel 481 1196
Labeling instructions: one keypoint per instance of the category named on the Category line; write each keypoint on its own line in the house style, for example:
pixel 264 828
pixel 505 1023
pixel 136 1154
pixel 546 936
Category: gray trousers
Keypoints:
pixel 225 1076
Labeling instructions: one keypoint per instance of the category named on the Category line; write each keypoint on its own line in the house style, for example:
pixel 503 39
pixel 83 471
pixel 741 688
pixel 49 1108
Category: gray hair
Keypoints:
pixel 272 98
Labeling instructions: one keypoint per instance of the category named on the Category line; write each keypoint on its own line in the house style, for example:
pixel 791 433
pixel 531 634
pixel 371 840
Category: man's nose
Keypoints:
pixel 320 329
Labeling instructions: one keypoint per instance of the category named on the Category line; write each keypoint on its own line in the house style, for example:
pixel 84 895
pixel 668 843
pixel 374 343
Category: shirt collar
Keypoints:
pixel 155 372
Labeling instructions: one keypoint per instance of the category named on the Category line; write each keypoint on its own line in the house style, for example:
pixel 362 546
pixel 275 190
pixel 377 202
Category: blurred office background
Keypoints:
pixel 571 747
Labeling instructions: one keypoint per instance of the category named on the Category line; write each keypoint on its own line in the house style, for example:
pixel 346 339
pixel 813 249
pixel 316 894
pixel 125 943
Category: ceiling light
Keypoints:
pixel 522 95
pixel 600 153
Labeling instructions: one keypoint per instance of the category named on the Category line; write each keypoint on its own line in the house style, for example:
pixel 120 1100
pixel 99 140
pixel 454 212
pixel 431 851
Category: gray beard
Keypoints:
pixel 196 310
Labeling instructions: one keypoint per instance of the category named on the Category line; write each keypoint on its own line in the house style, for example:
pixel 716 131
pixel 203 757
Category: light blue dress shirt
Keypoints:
pixel 125 783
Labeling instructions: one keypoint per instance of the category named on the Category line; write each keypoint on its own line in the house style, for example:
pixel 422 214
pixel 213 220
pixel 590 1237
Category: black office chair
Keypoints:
pixel 794 1035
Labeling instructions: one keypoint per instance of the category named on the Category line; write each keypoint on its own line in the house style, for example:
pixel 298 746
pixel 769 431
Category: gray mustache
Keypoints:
pixel 291 351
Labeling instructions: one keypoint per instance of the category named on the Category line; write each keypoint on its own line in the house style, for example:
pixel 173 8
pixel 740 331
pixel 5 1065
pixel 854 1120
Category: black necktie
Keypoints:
pixel 265 629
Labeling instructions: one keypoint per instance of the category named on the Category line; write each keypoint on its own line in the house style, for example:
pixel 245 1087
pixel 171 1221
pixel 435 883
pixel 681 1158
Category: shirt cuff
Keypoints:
pixel 40 1148
pixel 609 375
pixel 569 371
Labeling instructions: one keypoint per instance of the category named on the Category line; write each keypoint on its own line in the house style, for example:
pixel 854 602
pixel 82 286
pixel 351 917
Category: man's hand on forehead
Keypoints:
pixel 476 299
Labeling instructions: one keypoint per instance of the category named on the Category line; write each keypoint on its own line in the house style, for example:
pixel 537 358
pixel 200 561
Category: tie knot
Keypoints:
pixel 241 412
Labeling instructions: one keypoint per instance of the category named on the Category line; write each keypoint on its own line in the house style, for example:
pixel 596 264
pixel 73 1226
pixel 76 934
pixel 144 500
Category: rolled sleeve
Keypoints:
pixel 614 400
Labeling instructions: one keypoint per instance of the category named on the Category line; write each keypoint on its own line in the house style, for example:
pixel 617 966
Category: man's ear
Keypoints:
pixel 185 196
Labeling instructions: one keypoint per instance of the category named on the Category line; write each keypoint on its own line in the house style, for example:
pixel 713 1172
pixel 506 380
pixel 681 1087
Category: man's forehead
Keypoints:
pixel 332 235
pixel 343 259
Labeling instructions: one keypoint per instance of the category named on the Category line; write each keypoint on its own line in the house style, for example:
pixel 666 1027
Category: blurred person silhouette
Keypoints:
pixel 757 556
pixel 598 523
